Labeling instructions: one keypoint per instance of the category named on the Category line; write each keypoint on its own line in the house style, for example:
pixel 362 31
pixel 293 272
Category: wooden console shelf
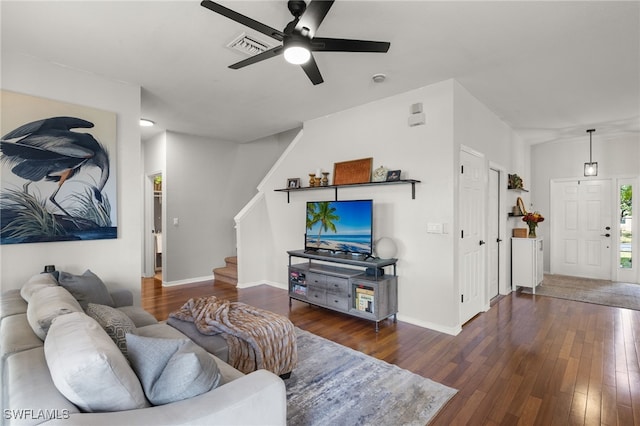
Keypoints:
pixel 348 290
pixel 411 182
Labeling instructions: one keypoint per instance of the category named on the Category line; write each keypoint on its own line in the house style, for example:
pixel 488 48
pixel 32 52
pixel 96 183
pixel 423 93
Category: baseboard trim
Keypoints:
pixel 187 281
pixel 453 331
pixel 257 283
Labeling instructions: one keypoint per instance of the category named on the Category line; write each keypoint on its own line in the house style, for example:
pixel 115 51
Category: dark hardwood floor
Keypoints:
pixel 528 360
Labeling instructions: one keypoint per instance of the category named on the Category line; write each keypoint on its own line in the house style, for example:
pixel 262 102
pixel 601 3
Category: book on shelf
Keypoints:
pixel 299 289
pixel 297 277
pixel 365 299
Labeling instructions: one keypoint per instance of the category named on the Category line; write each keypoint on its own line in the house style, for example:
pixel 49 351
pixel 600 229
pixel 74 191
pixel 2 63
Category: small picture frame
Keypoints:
pixel 393 175
pixel 293 183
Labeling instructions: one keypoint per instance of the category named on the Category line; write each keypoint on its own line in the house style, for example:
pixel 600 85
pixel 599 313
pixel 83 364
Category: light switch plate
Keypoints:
pixel 435 228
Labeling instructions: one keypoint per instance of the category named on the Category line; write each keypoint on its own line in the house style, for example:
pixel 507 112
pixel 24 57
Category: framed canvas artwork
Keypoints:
pixel 58 170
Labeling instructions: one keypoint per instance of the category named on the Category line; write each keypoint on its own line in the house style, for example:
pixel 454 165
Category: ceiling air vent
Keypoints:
pixel 249 45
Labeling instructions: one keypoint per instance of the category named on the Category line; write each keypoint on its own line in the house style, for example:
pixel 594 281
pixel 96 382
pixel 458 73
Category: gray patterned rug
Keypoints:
pixel 335 385
pixel 601 292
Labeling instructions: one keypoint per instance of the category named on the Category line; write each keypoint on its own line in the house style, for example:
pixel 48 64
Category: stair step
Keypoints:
pixel 229 273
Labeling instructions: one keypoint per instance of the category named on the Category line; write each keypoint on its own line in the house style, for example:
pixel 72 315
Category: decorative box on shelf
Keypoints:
pixel 520 232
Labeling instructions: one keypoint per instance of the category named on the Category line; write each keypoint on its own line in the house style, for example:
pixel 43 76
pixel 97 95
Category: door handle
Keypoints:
pixel 498 240
pixel 605 235
pixel 482 242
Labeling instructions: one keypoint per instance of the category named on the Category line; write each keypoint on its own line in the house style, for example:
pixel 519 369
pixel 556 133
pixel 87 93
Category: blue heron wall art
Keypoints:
pixel 63 171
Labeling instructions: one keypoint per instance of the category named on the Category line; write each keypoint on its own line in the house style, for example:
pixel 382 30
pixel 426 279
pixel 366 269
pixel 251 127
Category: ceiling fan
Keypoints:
pixel 297 38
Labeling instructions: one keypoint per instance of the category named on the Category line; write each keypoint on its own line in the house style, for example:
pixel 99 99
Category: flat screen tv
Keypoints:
pixel 340 226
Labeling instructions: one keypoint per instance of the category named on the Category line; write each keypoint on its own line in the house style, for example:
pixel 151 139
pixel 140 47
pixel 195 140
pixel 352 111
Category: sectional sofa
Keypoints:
pixel 74 361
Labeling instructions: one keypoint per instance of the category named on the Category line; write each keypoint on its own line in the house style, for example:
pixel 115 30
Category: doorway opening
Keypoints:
pixel 157 225
pixel 153 251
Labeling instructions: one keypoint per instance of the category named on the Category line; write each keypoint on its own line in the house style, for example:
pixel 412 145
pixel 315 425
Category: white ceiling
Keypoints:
pixel 549 69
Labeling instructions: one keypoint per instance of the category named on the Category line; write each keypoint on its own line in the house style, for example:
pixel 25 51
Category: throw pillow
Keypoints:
pixel 86 288
pixel 47 304
pixel 87 367
pixel 171 369
pixel 35 283
pixel 114 322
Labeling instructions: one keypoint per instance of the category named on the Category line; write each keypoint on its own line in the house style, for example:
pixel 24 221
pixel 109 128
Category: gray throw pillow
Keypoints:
pixel 114 322
pixel 171 369
pixel 87 367
pixel 86 288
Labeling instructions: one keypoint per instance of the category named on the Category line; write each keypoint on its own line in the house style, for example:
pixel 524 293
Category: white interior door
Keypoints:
pixel 581 228
pixel 472 193
pixel 493 233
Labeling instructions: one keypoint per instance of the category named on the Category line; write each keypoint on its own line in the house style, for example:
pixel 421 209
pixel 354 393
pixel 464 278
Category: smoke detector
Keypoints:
pixel 249 45
pixel 378 78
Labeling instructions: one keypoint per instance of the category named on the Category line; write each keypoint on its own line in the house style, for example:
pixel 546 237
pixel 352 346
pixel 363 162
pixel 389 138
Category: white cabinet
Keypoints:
pixel 526 262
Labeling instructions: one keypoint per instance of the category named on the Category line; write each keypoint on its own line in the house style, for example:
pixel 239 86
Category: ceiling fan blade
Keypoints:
pixel 257 58
pixel 311 69
pixel 244 20
pixel 321 44
pixel 313 16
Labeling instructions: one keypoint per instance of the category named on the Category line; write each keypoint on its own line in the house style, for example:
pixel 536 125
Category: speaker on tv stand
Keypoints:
pixel 371 272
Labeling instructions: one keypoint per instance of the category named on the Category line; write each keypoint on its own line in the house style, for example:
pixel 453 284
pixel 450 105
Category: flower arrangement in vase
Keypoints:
pixel 532 220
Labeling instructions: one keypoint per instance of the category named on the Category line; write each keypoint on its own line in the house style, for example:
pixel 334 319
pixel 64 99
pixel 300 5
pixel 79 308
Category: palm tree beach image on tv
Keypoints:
pixel 340 226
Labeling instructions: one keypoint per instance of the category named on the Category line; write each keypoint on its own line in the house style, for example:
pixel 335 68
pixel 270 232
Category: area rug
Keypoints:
pixel 601 292
pixel 336 385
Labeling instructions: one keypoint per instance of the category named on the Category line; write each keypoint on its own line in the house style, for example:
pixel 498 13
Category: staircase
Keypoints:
pixel 229 273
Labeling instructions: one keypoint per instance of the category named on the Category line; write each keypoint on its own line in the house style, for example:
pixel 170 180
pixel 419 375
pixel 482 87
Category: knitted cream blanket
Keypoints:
pixel 257 339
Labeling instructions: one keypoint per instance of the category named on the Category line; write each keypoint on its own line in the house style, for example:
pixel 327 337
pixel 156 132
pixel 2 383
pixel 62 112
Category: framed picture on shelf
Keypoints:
pixel 393 175
pixel 293 183
pixel 354 171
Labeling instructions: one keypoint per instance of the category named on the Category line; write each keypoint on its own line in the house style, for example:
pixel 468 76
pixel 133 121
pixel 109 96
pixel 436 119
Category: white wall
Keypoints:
pixel 116 261
pixel 206 182
pixel 428 292
pixel 479 128
pixel 616 156
pixel 154 151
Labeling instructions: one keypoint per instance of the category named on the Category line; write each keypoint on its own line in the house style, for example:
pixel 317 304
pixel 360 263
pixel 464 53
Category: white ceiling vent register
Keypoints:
pixel 249 45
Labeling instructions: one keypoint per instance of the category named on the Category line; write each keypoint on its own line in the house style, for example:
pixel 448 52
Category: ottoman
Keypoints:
pixel 255 338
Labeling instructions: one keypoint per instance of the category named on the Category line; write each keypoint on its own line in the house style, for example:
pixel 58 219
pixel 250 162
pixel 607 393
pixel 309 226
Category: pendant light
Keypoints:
pixel 591 168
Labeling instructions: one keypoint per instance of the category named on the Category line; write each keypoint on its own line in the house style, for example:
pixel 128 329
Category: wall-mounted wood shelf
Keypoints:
pixel 411 182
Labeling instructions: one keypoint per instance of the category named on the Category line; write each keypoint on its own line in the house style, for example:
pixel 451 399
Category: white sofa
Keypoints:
pixel 30 391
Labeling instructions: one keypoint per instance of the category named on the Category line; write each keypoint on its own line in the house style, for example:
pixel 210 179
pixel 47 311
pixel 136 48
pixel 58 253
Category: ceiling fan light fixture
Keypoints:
pixel 296 50
pixel 297 55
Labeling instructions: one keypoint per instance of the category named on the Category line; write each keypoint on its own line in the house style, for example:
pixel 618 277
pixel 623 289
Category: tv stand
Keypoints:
pixel 348 290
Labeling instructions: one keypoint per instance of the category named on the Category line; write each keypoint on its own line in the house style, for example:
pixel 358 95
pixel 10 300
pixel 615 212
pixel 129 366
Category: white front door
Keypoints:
pixel 472 189
pixel 581 228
